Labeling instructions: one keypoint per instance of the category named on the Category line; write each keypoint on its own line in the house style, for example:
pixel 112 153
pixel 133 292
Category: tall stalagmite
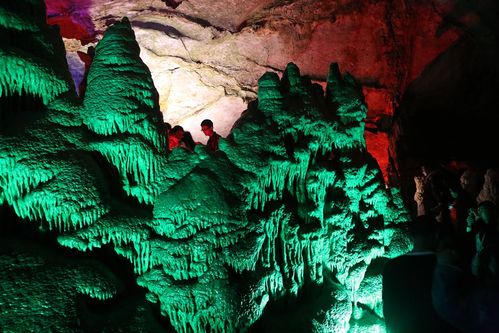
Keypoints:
pixel 291 200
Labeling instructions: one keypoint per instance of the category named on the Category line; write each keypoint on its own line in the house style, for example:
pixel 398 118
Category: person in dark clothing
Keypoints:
pixel 407 284
pixel 187 142
pixel 459 209
pixel 207 129
pixel 486 235
pixel 167 128
pixel 164 129
pixel 436 192
pixel 468 309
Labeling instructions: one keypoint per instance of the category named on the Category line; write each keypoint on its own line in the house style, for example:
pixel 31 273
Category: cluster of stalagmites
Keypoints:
pixel 292 199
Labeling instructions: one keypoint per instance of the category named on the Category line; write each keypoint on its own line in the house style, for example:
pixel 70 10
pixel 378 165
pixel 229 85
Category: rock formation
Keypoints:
pixel 206 57
pixel 291 202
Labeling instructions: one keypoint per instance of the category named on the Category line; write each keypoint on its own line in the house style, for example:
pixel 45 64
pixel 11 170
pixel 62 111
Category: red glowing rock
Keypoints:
pixel 73 18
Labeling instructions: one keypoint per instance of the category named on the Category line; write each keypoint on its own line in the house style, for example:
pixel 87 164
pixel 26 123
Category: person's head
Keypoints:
pixel 177 132
pixel 428 167
pixel 424 232
pixel 188 141
pixel 487 211
pixel 207 127
pixel 166 128
pixel 470 182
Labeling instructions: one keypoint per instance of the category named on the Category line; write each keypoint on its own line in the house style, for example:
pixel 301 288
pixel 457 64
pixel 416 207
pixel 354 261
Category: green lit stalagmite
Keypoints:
pixel 291 202
pixel 31 52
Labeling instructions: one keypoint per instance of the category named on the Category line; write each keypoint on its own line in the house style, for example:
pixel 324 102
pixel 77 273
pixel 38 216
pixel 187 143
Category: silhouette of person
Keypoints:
pixel 188 142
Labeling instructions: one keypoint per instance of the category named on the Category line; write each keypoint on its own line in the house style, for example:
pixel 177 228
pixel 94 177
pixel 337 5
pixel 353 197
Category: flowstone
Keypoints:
pixel 291 201
pixel 40 289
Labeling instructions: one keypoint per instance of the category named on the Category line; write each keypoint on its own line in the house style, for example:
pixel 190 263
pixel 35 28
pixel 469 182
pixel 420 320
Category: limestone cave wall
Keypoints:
pixel 222 48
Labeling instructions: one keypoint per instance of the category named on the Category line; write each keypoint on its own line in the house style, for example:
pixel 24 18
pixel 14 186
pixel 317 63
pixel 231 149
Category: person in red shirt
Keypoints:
pixel 175 137
pixel 207 129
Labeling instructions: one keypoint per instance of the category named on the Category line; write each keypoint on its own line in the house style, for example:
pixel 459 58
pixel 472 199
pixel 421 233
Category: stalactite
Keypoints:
pixel 281 209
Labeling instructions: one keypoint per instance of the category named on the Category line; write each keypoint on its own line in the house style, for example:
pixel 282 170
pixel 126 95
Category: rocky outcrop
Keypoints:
pixel 41 289
pixel 32 54
pixel 292 201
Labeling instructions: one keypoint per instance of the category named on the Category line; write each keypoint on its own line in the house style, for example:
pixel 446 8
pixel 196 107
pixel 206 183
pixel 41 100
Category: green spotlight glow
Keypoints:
pixel 293 199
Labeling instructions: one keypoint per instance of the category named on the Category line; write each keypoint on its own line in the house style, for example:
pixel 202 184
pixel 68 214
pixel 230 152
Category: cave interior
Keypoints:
pixel 326 111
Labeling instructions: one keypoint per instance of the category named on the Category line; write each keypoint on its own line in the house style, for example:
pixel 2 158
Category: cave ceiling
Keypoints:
pixel 206 56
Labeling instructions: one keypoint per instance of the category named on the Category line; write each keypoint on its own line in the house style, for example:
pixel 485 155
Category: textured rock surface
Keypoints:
pixel 40 290
pixel 293 200
pixel 221 48
pixel 29 72
pixel 46 288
